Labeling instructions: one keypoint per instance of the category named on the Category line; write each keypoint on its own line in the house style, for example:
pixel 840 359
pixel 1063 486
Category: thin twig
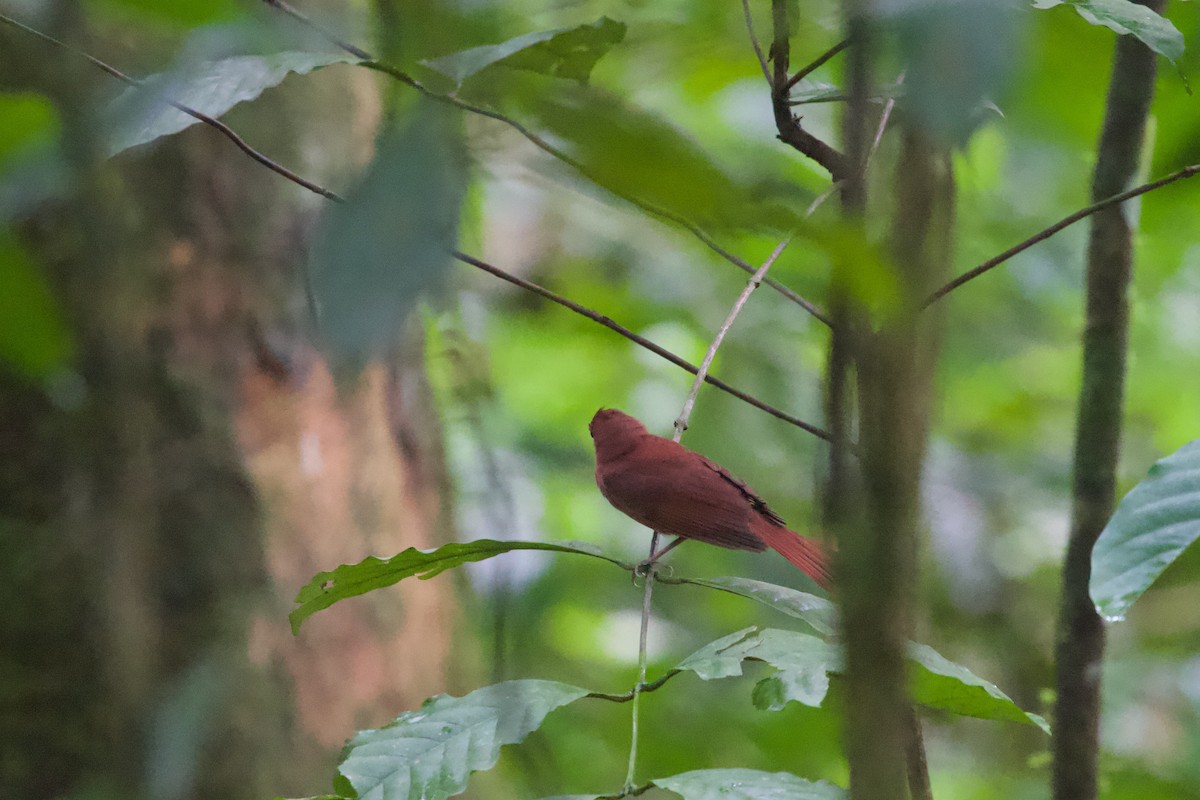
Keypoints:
pixel 888 107
pixel 635 712
pixel 224 129
pixel 369 62
pixel 641 341
pixel 304 19
pixel 758 51
pixel 821 59
pixel 1066 221
pixel 681 422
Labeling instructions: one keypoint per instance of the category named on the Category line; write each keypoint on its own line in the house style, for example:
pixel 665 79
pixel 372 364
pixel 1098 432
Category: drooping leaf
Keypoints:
pixel 937 682
pixel 34 337
pixel 391 240
pixel 748 784
pixel 1152 526
pixel 142 113
pixel 637 155
pixel 1126 17
pixel 563 53
pixel 350 580
pixel 958 55
pixel 431 753
pixel 816 611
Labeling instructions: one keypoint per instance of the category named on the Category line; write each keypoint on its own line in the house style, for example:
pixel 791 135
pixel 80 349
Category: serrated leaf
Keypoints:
pixel 748 784
pixel 1152 526
pixel 431 753
pixel 816 611
pixel 391 241
pixel 142 114
pixel 1125 17
pixel 563 53
pixel 937 682
pixel 351 580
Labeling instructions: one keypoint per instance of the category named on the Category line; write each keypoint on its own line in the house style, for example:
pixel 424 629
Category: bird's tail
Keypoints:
pixel 805 553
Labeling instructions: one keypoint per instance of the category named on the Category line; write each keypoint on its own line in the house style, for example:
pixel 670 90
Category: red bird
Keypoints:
pixel 670 489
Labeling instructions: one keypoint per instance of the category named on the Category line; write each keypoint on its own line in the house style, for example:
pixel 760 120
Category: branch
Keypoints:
pixel 537 141
pixel 1065 222
pixel 758 51
pixel 224 129
pixel 681 422
pixel 1079 635
pixel 821 59
pixel 641 341
pixel 787 123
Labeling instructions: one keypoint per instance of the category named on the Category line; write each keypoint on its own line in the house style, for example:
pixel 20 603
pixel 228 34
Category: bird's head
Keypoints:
pixel 614 431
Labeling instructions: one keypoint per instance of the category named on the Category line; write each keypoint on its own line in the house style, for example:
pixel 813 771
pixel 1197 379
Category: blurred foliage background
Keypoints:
pixel 189 343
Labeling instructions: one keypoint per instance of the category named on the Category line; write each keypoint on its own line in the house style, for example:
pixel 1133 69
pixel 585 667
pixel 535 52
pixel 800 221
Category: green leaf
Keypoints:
pixel 430 753
pixel 641 157
pixel 391 240
pixel 350 580
pixel 937 682
pixel 803 662
pixel 1152 526
pixel 816 611
pixel 563 53
pixel 722 658
pixel 748 784
pixel 142 113
pixel 34 338
pixel 1126 17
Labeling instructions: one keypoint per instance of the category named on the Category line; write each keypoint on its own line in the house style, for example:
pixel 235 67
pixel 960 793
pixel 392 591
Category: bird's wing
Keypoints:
pixel 756 502
pixel 676 492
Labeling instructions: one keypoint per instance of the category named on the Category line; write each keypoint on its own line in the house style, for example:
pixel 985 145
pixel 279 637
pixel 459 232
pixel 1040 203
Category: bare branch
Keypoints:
pixel 758 51
pixel 642 342
pixel 821 59
pixel 681 422
pixel 1065 222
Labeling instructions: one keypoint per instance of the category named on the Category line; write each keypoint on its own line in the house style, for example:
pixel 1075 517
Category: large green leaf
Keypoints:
pixel 937 682
pixel 564 52
pixel 391 240
pixel 1126 17
pixel 747 784
pixel 430 753
pixel 350 580
pixel 1152 526
pixel 816 611
pixel 803 664
pixel 142 113
pixel 34 337
pixel 640 156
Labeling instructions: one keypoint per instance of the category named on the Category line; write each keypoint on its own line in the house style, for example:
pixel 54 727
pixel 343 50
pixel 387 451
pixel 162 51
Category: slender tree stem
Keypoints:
pixel 1080 636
